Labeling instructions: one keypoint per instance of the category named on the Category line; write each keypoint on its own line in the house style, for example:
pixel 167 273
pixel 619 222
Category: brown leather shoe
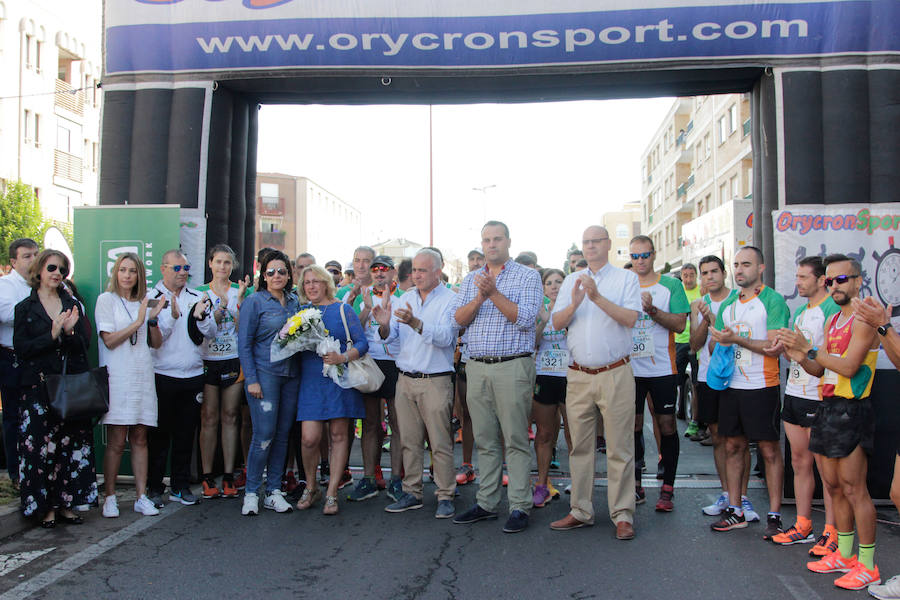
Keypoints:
pixel 568 522
pixel 624 530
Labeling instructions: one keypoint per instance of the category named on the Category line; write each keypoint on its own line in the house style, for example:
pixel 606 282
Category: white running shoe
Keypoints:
pixel 145 507
pixel 110 507
pixel 275 501
pixel 751 515
pixel 717 507
pixel 251 505
pixel 888 591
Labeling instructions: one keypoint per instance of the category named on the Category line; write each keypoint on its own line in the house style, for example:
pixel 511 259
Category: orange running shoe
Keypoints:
pixel 465 474
pixel 796 534
pixel 228 489
pixel 209 488
pixel 826 544
pixel 859 578
pixel 833 563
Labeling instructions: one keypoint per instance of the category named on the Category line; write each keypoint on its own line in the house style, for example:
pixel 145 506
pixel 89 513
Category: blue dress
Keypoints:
pixel 321 398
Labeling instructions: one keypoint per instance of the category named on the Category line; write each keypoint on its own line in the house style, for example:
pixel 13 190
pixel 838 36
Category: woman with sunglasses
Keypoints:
pixel 124 320
pixel 321 399
pixel 271 387
pixel 56 457
pixel 221 372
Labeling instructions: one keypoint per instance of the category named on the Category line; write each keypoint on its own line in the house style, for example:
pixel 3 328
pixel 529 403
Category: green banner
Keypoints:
pixel 101 234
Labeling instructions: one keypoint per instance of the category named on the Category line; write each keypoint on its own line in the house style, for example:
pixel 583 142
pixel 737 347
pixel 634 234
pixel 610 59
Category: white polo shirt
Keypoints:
pixel 595 339
pixel 178 356
pixel 13 289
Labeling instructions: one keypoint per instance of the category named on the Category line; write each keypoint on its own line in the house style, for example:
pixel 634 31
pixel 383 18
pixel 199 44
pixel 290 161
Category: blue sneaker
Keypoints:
pixel 405 503
pixel 751 515
pixel 395 489
pixel 184 496
pixel 365 488
pixel 516 522
pixel 445 509
pixel 718 507
pixel 473 515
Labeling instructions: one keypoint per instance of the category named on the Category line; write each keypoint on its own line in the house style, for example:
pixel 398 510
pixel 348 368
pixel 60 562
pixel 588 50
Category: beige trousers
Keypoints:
pixel 425 405
pixel 611 395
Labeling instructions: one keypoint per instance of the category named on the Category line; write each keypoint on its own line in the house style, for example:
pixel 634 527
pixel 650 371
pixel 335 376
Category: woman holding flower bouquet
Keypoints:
pixel 321 399
pixel 271 386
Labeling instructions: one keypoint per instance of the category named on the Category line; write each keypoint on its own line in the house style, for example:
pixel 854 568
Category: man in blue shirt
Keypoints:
pixel 499 305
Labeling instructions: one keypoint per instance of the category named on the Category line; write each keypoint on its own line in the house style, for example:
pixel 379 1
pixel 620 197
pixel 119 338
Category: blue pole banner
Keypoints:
pixel 170 36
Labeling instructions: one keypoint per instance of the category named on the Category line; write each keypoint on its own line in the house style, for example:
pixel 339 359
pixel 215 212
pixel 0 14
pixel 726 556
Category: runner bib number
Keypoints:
pixel 830 377
pixel 798 376
pixel 642 343
pixel 553 361
pixel 222 346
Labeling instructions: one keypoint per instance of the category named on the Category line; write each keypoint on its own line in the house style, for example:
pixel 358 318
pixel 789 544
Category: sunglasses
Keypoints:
pixel 381 268
pixel 279 270
pixel 178 268
pixel 830 281
pixel 64 271
pixel 637 255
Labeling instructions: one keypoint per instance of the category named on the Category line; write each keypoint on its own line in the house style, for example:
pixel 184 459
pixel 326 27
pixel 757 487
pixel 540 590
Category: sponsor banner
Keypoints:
pixel 233 35
pixel 870 233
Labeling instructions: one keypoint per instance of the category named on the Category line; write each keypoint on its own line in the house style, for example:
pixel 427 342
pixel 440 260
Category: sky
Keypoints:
pixel 549 169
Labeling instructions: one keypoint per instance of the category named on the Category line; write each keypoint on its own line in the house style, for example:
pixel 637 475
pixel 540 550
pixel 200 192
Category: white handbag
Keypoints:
pixel 363 368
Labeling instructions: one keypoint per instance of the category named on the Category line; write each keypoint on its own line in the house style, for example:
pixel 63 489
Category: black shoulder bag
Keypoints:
pixel 78 395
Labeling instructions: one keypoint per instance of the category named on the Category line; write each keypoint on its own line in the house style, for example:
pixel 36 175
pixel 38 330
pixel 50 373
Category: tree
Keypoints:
pixel 20 216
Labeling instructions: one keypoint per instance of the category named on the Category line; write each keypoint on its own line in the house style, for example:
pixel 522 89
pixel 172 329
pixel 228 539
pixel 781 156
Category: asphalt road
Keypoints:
pixel 210 551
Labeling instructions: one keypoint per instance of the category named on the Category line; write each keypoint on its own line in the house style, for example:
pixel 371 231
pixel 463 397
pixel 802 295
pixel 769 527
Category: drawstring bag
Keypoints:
pixel 721 367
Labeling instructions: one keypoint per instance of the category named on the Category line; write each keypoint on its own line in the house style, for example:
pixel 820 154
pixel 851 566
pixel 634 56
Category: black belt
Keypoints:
pixel 425 375
pixel 498 359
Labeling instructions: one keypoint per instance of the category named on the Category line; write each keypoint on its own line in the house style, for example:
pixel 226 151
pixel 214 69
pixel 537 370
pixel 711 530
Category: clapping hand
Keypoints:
pixel 578 292
pixel 57 325
pixel 176 312
pixel 646 302
pixel 723 336
pixel 706 312
pixel 72 316
pixel 589 285
pixel 243 284
pixel 486 284
pixel 154 312
pixel 405 315
pixel 794 343
pixel 871 311
pixel 382 310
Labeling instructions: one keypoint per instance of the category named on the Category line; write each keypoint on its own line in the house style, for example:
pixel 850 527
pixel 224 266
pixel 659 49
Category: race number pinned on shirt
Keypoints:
pixel 553 361
pixel 642 342
pixel 743 357
pixel 797 375
pixel 223 345
pixel 830 377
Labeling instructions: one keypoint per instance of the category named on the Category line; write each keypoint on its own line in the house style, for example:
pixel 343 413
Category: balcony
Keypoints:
pixel 67 166
pixel 679 141
pixel 68 98
pixel 689 128
pixel 746 127
pixel 685 155
pixel 682 190
pixel 690 182
pixel 270 206
pixel 272 239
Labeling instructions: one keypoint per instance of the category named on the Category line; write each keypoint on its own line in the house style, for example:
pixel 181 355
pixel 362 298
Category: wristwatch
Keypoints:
pixel 152 322
pixel 882 331
pixel 652 311
pixel 812 353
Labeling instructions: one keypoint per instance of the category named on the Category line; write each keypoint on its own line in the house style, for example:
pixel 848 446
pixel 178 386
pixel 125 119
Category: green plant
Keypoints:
pixel 20 216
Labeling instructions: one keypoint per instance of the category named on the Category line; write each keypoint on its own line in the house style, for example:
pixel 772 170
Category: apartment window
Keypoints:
pixel 750 181
pixel 732 119
pixel 63 139
pixel 29 51
pixel 38 47
pixel 621 230
pixel 29 127
pixel 37 130
pixel 267 225
pixel 723 129
pixel 88 155
pixel 698 152
pixel 723 193
pixel 95 152
pixel 707 142
pixel 735 187
pixel 269 190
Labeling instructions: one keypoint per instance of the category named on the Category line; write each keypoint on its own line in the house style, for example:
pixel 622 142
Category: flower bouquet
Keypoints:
pixel 302 331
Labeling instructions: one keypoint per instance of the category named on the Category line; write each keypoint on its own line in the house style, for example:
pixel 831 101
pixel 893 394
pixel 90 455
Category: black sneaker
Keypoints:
pixel 516 522
pixel 773 527
pixel 730 520
pixel 473 515
pixel 640 496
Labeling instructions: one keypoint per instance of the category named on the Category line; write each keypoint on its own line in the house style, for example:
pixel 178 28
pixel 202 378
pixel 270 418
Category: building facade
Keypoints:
pixel 699 159
pixel 622 225
pixel 295 215
pixel 50 66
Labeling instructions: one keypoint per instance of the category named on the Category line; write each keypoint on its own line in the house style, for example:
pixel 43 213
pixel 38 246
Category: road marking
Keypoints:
pixel 11 562
pixel 798 587
pixel 57 572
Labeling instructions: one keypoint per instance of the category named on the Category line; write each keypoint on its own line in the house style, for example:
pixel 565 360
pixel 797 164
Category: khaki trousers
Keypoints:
pixel 425 405
pixel 499 397
pixel 611 395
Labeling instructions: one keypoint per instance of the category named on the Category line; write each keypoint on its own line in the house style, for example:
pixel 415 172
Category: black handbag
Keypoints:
pixel 78 395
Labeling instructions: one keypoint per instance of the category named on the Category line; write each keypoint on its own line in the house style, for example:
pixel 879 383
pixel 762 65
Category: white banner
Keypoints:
pixel 866 232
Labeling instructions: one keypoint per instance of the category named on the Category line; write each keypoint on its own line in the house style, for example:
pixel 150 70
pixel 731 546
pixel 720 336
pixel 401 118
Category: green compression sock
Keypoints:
pixel 867 555
pixel 845 543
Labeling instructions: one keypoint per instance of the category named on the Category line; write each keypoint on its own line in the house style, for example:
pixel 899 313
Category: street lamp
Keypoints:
pixel 483 191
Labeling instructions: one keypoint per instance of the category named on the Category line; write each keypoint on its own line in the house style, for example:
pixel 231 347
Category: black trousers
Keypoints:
pixel 10 393
pixel 179 415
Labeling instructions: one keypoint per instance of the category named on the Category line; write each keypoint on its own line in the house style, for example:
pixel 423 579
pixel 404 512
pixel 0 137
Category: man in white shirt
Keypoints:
pixel 424 396
pixel 178 364
pixel 600 382
pixel 13 289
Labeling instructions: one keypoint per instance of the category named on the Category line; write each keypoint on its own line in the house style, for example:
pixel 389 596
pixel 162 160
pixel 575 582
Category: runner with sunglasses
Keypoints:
pixel 843 431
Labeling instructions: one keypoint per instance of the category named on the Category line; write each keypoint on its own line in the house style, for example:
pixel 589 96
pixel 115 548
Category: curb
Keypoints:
pixel 11 520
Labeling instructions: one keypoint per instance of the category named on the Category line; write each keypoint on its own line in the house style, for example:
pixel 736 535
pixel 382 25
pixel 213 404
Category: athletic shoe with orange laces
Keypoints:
pixel 240 478
pixel 465 474
pixel 859 578
pixel 833 563
pixel 228 489
pixel 796 534
pixel 826 544
pixel 209 488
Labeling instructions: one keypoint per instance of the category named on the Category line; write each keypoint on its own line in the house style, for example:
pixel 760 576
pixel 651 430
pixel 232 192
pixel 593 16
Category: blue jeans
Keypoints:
pixel 272 416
